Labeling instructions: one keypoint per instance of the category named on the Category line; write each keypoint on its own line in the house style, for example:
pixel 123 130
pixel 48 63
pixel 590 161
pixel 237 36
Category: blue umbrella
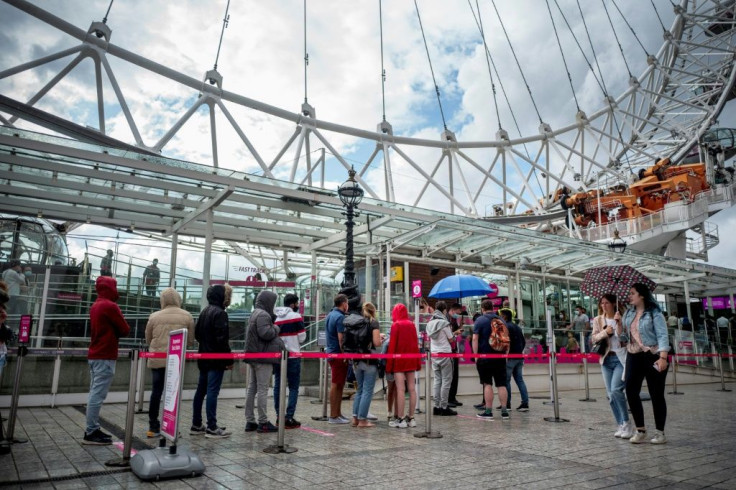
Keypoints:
pixel 460 286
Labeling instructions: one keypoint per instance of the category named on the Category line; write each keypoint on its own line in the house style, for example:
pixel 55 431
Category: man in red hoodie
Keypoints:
pixel 107 326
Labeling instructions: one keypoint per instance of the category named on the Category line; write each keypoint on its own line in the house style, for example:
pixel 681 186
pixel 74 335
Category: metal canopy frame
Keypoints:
pixel 73 181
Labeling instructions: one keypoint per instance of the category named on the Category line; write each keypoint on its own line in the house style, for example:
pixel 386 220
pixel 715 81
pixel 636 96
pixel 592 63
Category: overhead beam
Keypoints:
pixel 341 236
pixel 209 204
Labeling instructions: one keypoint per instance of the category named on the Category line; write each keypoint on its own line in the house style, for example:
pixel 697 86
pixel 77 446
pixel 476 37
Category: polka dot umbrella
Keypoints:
pixel 616 280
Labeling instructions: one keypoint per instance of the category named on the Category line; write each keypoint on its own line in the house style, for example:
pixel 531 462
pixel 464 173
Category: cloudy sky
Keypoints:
pixel 262 58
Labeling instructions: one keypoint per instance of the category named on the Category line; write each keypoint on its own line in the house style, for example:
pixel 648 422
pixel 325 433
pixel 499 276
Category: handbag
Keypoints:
pixel 600 347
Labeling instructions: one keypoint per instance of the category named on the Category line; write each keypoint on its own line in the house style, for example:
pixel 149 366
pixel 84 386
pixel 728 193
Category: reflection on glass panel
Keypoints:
pixel 32 243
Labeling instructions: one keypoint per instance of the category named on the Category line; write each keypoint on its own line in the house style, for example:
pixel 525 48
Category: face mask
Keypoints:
pixel 294 308
pixel 455 316
pixel 28 273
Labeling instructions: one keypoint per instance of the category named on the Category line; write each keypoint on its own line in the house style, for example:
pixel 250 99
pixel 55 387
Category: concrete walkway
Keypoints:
pixel 524 452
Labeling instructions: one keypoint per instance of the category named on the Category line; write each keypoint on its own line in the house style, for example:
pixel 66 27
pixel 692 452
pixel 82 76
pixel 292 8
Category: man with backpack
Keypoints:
pixel 491 336
pixel 440 335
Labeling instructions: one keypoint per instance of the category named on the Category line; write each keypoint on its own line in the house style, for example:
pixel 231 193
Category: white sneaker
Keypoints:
pixel 398 423
pixel 628 431
pixel 410 422
pixel 620 430
pixel 370 416
pixel 658 438
pixel 338 420
pixel 638 437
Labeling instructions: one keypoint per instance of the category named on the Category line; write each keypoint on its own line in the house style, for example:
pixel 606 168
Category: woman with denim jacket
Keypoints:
pixel 647 359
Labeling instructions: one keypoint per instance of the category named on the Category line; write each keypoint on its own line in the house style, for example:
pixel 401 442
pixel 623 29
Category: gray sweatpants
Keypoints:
pixel 442 372
pixel 259 378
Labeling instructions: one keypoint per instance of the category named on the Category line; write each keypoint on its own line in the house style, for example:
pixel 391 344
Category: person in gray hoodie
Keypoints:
pixel 262 335
pixel 440 335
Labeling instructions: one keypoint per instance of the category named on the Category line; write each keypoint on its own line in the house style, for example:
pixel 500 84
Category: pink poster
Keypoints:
pixel 24 331
pixel 175 358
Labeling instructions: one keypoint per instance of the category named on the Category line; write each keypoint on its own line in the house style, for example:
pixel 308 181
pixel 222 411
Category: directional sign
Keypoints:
pixel 416 289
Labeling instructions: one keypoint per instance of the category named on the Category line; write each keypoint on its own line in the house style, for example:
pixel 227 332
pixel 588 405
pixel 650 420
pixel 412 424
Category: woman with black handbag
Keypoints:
pixel 609 342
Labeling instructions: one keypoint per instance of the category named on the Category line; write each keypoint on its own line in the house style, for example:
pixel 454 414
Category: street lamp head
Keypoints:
pixel 350 191
pixel 618 244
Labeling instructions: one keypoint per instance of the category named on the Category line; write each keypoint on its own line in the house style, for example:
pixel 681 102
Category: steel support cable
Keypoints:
pixel 562 52
pixel 383 70
pixel 513 52
pixel 479 23
pixel 225 22
pixel 664 29
pixel 630 28
pixel 615 35
pixel 434 80
pixel 489 60
pixel 306 55
pixel 104 19
pixel 603 83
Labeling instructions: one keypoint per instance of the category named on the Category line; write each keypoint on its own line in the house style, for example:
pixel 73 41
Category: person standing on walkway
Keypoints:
pixel 293 334
pixel 440 335
pixel 169 318
pixel 5 333
pixel 647 349
pixel 404 340
pixel 212 331
pixel 334 333
pixel 456 319
pixel 515 366
pixel 16 281
pixel 607 327
pixel 262 335
pixel 151 277
pixel 107 325
pixel 106 264
pixel 366 370
pixel 489 327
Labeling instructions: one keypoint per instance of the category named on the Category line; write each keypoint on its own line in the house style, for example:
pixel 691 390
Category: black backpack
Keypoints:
pixel 358 334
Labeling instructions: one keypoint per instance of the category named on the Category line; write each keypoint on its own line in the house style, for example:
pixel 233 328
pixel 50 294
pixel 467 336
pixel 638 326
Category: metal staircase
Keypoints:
pixel 704 238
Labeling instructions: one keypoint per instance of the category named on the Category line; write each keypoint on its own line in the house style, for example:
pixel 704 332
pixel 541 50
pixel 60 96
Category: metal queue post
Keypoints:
pixel 163 462
pixel 674 375
pixel 322 369
pixel 141 386
pixel 24 336
pixel 553 372
pixel 129 413
pixel 584 350
pixel 428 433
pixel 719 359
pixel 321 340
pixel 280 447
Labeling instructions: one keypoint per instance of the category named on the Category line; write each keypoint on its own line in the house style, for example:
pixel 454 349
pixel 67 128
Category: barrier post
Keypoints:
pixel 141 386
pixel 730 357
pixel 556 400
pixel 720 369
pixel 322 368
pixel 326 396
pixel 427 403
pixel 584 350
pixel 22 351
pixel 674 374
pixel 280 447
pixel 129 413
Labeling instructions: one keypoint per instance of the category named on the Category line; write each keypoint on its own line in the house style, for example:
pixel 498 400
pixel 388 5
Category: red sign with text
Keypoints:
pixel 24 331
pixel 172 389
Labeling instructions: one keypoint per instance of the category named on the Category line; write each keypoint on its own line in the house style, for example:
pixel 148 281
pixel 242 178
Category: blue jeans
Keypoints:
pixel 209 384
pixel 158 376
pixel 514 368
pixel 101 372
pixel 293 375
pixel 365 375
pixel 612 369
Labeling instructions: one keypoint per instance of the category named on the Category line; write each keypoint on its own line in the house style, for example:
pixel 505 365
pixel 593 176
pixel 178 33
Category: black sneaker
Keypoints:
pixel 292 423
pixel 266 427
pixel 456 403
pixel 436 411
pixel 479 406
pixel 446 412
pixel 97 438
pixel 524 407
pixel 485 415
pixel 504 414
pixel 451 404
pixel 251 426
pixel 197 430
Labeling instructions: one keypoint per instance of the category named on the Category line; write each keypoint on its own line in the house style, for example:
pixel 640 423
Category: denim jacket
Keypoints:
pixel 652 328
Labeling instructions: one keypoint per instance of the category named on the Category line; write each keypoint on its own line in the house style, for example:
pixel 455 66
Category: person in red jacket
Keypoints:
pixel 107 326
pixel 403 341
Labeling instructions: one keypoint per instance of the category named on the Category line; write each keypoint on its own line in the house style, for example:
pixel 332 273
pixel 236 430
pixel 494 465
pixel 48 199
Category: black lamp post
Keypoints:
pixel 617 244
pixel 350 194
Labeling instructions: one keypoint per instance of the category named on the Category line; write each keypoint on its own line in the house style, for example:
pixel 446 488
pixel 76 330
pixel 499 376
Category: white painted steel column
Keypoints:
pixel 172 260
pixel 388 281
pixel 406 284
pixel 368 278
pixel 207 256
pixel 44 302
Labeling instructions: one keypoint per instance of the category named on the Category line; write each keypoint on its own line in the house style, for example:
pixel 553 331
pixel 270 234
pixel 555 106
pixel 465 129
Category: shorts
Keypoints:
pixel 339 369
pixel 390 377
pixel 492 372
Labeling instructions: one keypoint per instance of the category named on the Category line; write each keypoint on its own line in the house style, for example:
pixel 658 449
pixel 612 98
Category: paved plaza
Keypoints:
pixel 524 452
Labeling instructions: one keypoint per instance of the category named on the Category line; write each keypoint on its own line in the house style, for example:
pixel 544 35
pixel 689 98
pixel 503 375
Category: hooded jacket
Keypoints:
pixel 440 333
pixel 212 330
pixel 291 326
pixel 403 341
pixel 169 318
pixel 262 335
pixel 107 324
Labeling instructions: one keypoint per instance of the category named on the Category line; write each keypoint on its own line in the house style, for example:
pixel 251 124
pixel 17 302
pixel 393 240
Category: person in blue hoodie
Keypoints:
pixel 293 333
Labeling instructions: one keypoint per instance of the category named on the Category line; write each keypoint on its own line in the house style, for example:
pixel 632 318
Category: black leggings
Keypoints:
pixel 638 367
